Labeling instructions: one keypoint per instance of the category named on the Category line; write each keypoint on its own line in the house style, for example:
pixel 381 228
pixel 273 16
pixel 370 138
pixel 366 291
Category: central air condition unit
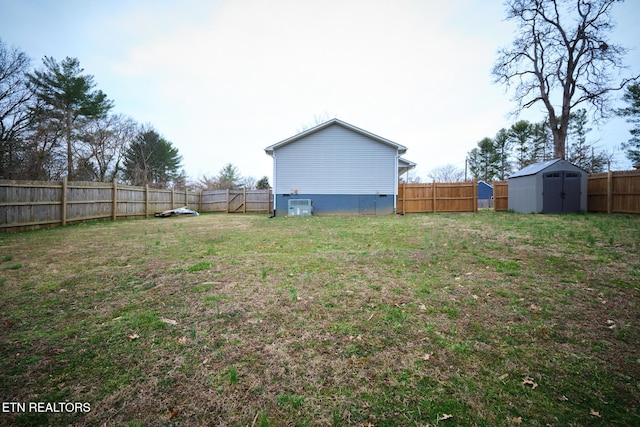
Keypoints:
pixel 300 207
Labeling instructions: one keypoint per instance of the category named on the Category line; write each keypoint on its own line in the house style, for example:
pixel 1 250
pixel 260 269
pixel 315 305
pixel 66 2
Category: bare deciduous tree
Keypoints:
pixel 15 116
pixel 561 57
pixel 446 173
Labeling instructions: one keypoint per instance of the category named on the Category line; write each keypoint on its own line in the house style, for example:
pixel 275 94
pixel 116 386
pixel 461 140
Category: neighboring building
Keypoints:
pixel 555 186
pixel 341 168
pixel 485 195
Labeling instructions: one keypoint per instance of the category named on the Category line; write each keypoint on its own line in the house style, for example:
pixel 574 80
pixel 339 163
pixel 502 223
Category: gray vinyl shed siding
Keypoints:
pixel 336 160
pixel 526 190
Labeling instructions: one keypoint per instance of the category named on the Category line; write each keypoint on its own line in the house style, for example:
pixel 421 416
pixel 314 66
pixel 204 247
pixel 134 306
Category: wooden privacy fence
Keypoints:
pixel 38 203
pixel 438 197
pixel 500 195
pixel 611 192
pixel 614 192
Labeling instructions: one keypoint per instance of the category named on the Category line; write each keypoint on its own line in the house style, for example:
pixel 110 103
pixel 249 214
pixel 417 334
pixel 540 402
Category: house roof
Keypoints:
pixel 401 148
pixel 405 165
pixel 537 167
pixel 485 183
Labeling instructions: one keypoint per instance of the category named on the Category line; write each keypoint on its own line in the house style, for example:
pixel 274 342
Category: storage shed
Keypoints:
pixel 337 168
pixel 555 186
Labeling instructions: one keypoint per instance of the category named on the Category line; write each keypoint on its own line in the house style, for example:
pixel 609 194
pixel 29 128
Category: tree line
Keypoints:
pixel 525 143
pixel 55 123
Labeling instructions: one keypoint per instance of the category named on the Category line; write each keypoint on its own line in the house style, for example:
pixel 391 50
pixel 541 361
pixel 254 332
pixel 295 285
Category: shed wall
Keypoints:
pixel 335 160
pixel 523 195
pixel 526 192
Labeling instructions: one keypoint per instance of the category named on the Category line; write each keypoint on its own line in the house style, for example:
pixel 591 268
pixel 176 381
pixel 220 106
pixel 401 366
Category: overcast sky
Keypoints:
pixel 222 80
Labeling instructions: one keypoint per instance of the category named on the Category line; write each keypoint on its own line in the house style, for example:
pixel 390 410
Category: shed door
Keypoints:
pixel 572 188
pixel 552 192
pixel 561 192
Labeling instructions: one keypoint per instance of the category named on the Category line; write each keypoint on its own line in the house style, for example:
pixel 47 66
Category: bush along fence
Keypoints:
pixel 31 204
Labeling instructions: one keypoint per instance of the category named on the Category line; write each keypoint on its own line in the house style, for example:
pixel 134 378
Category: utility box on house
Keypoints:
pixel 300 207
pixel 556 186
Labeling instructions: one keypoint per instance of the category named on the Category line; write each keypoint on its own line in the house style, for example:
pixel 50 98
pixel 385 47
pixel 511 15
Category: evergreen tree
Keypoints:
pixel 483 161
pixel 66 97
pixel 579 152
pixel 521 136
pixel 632 113
pixel 502 147
pixel 228 178
pixel 263 183
pixel 152 160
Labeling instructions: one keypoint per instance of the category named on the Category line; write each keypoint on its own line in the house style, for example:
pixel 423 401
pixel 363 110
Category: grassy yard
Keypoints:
pixel 489 319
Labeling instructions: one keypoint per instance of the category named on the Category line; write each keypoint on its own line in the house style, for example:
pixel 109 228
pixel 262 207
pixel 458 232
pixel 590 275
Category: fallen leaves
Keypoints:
pixel 529 381
pixel 594 413
pixel 173 414
pixel 444 417
pixel 169 321
pixel 133 337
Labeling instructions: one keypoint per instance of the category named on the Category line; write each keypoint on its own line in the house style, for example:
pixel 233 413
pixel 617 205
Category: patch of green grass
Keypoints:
pixel 291 400
pixel 200 266
pixel 233 375
pixel 13 267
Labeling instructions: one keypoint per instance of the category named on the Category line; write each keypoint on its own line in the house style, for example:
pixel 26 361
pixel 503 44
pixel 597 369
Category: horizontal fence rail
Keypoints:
pixel 29 204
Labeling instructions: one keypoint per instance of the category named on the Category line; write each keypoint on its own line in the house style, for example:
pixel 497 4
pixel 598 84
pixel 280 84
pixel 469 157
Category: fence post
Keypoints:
pixel 244 200
pixel 114 204
pixel 404 197
pixel 433 194
pixel 609 191
pixel 228 201
pixel 200 202
pixel 146 201
pixel 63 213
pixel 186 197
pixel 475 196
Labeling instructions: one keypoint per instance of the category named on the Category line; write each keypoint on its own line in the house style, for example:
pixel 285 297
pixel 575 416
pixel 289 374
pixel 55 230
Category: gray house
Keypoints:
pixel 338 169
pixel 555 186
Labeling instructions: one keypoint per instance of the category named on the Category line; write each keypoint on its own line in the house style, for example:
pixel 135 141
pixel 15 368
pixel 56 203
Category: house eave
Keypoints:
pixel 270 149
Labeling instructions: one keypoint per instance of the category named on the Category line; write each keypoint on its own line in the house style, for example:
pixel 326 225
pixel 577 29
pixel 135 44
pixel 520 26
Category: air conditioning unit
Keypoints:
pixel 300 207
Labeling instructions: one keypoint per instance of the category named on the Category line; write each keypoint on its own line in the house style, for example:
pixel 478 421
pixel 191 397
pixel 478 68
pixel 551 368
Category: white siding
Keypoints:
pixel 336 160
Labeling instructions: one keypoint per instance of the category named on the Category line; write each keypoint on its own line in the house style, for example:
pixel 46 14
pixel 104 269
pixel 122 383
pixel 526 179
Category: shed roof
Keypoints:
pixel 401 148
pixel 537 167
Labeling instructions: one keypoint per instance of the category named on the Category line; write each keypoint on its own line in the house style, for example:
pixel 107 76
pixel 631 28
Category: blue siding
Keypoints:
pixel 485 191
pixel 340 204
